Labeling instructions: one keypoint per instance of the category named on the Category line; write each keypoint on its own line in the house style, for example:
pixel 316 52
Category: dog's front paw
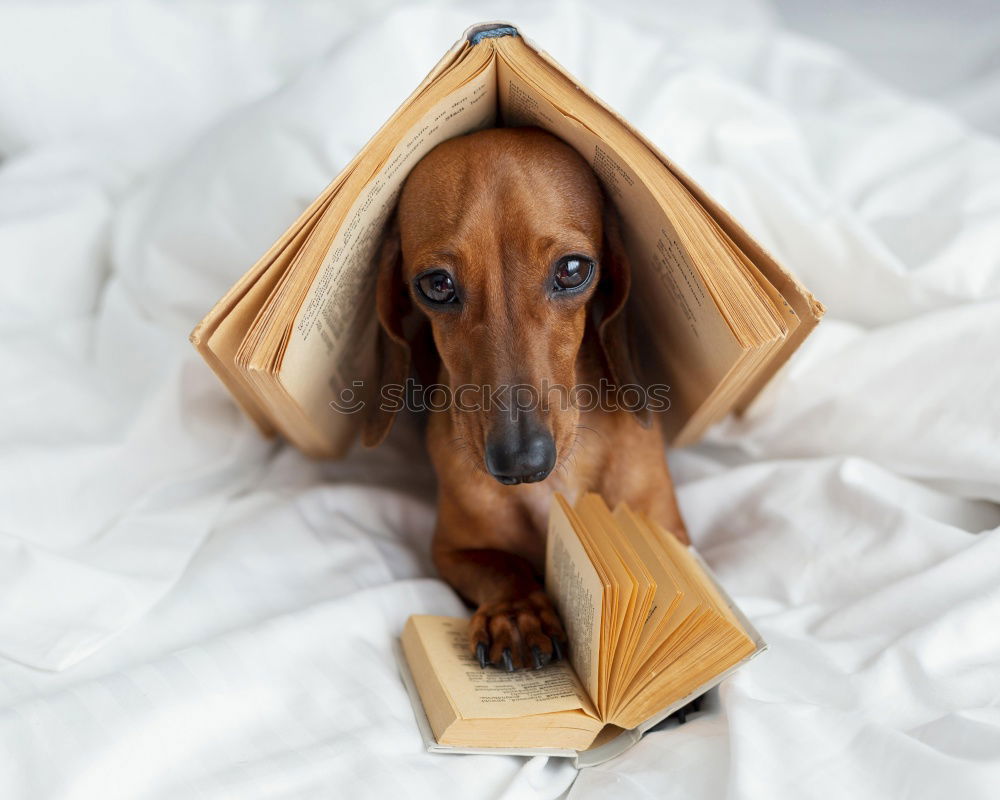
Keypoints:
pixel 512 634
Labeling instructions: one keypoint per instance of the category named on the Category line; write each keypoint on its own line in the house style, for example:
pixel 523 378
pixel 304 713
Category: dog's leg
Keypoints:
pixel 637 473
pixel 661 506
pixel 515 624
pixel 655 498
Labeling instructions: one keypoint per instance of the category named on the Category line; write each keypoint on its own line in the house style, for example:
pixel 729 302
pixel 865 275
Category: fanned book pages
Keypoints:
pixel 649 628
pixel 714 313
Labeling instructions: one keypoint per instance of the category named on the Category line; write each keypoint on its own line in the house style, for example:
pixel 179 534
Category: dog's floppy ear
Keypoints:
pixel 613 293
pixel 392 302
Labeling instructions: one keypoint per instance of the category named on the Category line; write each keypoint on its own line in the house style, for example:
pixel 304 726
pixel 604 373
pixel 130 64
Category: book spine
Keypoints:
pixel 490 30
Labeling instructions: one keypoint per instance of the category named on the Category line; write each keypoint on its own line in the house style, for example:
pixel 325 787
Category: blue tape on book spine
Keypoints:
pixel 493 33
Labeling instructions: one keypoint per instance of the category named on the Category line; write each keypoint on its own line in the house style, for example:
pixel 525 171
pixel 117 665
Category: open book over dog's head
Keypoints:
pixel 504 270
pixel 714 313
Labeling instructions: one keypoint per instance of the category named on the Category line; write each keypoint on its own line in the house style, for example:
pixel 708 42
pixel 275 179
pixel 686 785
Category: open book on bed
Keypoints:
pixel 715 314
pixel 649 627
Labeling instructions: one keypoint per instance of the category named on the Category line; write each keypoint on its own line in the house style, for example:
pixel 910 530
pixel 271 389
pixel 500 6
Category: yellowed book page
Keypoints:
pixel 306 220
pixel 605 562
pixel 609 598
pixel 609 606
pixel 437 704
pixel 219 335
pixel 710 592
pixel 491 693
pixel 682 559
pixel 667 595
pixel 690 596
pixel 622 592
pixel 332 341
pixel 698 347
pixel 678 625
pixel 225 340
pixel 628 656
pixel 575 586
pixel 637 589
pixel 563 730
pixel 699 633
pixel 702 660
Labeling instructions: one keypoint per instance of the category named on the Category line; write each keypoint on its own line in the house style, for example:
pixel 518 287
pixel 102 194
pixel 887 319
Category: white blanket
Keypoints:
pixel 189 611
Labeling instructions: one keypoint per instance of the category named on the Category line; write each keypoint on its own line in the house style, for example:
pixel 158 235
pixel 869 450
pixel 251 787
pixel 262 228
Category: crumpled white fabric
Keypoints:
pixel 187 610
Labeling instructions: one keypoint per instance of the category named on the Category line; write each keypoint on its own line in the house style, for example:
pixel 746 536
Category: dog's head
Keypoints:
pixel 503 242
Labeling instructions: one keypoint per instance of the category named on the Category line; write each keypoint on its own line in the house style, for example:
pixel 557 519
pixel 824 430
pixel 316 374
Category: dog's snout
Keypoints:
pixel 513 459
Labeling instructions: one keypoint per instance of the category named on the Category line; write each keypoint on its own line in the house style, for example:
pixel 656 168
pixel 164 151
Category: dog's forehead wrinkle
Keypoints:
pixel 547 197
pixel 466 192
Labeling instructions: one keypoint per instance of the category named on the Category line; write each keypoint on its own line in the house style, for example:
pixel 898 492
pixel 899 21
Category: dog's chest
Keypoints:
pixel 538 498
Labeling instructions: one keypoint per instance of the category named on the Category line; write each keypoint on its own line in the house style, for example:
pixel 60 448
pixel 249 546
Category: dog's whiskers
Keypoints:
pixel 592 430
pixel 471 460
pixel 569 456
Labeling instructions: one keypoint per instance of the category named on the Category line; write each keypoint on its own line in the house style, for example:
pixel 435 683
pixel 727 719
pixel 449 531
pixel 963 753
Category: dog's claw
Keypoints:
pixel 557 651
pixel 520 632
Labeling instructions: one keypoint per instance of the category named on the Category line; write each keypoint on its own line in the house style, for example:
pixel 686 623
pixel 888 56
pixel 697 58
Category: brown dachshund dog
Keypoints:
pixel 505 249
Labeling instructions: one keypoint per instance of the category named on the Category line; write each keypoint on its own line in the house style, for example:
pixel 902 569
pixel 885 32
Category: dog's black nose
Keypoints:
pixel 521 459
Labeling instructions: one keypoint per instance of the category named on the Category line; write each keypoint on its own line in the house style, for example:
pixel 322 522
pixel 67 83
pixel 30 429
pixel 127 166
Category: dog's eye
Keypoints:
pixel 437 287
pixel 572 272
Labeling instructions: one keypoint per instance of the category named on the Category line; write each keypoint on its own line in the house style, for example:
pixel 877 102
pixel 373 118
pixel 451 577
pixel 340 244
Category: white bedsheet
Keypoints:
pixel 188 611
